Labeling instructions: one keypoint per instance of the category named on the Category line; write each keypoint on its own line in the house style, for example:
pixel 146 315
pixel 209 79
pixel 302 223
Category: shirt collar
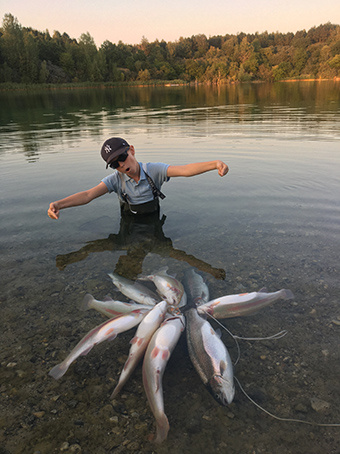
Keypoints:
pixel 142 174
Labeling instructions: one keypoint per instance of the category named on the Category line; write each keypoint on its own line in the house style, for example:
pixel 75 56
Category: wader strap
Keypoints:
pixel 143 208
pixel 155 191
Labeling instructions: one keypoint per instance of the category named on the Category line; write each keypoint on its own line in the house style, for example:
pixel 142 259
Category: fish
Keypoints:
pixel 243 304
pixel 210 357
pixel 168 287
pixel 156 358
pixel 105 331
pixel 135 290
pixel 111 308
pixel 140 341
pixel 195 287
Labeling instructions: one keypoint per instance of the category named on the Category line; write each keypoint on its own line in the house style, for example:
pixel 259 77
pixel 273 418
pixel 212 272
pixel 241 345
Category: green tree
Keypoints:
pixel 12 47
pixel 144 75
pixel 194 69
pixel 43 73
pixel 335 62
pixel 200 45
pixel 299 61
pixel 87 52
pixel 217 72
pixel 282 70
pixel 31 63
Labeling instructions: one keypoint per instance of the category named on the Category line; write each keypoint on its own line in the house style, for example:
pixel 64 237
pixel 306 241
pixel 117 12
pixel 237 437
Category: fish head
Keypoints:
pixel 222 389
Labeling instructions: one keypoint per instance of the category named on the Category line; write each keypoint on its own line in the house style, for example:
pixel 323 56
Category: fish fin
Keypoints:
pixel 144 278
pixel 117 389
pixel 86 303
pixel 85 352
pixel 115 392
pixel 58 371
pixel 162 428
pixel 107 298
pixel 263 290
pixel 288 295
pixel 111 337
pixel 223 367
pixel 162 271
pixel 127 362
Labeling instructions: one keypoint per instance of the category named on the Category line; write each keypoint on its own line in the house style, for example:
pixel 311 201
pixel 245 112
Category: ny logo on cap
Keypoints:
pixel 107 149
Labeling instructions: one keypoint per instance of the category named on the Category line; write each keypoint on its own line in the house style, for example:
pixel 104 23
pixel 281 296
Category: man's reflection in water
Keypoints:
pixel 138 236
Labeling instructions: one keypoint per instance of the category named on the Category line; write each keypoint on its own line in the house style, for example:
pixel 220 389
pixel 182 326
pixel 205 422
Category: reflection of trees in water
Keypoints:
pixel 137 237
pixel 62 116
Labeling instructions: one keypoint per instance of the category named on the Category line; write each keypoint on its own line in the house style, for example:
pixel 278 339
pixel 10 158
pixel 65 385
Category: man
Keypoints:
pixel 137 185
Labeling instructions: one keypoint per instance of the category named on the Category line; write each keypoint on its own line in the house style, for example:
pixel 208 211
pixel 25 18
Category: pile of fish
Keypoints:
pixel 161 317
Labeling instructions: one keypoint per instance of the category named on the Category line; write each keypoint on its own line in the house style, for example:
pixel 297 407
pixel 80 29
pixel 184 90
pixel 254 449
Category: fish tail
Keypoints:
pixel 87 302
pixel 162 428
pixel 287 294
pixel 117 390
pixel 58 371
pixel 145 278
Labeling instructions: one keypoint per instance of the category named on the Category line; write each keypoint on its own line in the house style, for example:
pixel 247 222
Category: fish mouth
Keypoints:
pixel 222 390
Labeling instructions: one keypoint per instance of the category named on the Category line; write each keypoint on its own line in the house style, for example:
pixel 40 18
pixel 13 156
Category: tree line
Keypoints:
pixel 29 56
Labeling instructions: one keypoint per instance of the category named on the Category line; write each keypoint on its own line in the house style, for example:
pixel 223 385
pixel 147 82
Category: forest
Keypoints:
pixel 29 56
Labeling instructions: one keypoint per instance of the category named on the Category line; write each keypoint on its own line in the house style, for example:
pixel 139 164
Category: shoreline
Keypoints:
pixel 176 83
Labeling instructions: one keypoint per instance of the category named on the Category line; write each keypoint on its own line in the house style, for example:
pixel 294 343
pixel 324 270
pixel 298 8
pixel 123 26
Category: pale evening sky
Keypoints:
pixel 130 20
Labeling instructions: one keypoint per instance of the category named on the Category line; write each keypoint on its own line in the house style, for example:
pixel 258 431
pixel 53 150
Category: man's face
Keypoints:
pixel 129 166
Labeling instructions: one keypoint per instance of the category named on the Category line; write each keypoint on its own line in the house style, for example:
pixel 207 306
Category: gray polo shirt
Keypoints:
pixel 138 192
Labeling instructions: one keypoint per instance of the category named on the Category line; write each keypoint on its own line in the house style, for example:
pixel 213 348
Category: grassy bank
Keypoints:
pixel 10 86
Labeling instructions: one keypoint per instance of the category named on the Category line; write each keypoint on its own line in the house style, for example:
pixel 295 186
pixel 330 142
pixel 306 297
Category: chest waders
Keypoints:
pixel 142 208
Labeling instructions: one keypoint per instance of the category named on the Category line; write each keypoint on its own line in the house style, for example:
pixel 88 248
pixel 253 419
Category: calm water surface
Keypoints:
pixel 272 221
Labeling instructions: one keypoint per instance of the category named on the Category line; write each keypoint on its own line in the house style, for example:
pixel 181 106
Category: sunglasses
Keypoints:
pixel 121 158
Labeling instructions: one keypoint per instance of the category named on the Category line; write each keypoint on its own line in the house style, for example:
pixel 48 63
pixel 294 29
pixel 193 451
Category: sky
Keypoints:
pixel 131 20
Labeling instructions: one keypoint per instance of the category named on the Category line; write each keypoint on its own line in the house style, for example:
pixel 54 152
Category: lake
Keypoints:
pixel 272 222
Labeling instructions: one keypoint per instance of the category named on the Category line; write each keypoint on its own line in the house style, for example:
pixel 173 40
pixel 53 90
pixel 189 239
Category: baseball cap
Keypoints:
pixel 112 148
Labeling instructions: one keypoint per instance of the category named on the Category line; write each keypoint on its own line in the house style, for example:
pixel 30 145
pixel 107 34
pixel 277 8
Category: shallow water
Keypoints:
pixel 272 221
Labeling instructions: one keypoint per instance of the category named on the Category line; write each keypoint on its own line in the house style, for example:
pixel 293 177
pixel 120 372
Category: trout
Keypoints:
pixel 168 287
pixel 210 358
pixel 134 290
pixel 156 358
pixel 244 304
pixel 105 331
pixel 140 341
pixel 111 308
pixel 195 287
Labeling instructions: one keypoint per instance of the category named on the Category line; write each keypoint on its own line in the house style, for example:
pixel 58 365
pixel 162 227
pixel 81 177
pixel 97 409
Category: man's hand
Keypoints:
pixel 53 211
pixel 222 168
